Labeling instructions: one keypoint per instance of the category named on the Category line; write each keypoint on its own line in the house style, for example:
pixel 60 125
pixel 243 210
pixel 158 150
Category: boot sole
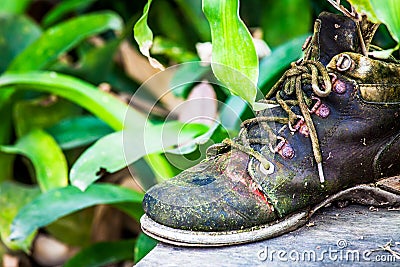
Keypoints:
pixel 385 192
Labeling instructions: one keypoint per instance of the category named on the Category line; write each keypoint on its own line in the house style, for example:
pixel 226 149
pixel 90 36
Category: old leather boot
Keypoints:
pixel 331 132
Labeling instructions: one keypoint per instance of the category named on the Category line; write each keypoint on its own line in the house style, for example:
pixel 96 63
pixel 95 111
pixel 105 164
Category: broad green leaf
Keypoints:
pixel 56 203
pixel 279 60
pixel 118 150
pixel 286 19
pixel 231 111
pixel 96 64
pixel 161 167
pixel 193 153
pixel 191 146
pixel 384 53
pixel 58 39
pixel 385 11
pixel 6 101
pixel 144 174
pixel 105 106
pixel 144 36
pixel 234 58
pixel 6 166
pixel 108 151
pixel 103 254
pixel 63 9
pixel 50 164
pixel 13 197
pixel 364 6
pixel 6 160
pixel 3 250
pixel 78 225
pixel 41 113
pixel 16 33
pixel 388 12
pixel 172 50
pixel 143 246
pixel 78 131
pixel 14 6
pixel 134 210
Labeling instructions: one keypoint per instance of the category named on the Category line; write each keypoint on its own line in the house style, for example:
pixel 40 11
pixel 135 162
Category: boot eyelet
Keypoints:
pixel 344 62
pixel 323 111
pixel 296 127
pixel 338 86
pixel 252 169
pixel 316 105
pixel 268 171
pixel 284 149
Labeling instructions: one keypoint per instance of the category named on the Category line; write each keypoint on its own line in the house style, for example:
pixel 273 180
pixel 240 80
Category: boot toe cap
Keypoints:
pixel 205 198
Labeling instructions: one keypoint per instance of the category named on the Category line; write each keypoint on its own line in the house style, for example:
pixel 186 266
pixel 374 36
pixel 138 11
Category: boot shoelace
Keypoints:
pixel 308 71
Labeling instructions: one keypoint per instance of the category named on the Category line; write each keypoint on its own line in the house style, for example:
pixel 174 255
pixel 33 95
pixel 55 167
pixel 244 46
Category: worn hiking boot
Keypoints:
pixel 331 132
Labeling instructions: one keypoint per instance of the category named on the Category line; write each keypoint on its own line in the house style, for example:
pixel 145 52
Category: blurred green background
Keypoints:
pixel 68 72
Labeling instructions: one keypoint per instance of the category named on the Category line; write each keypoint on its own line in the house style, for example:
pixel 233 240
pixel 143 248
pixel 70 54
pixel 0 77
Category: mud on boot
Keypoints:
pixel 331 133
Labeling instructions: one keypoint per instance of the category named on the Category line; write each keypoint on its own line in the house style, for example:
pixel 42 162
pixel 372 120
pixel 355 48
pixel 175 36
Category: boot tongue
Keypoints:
pixel 336 34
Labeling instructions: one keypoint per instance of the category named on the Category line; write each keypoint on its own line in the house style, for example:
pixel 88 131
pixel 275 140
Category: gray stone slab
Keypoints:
pixel 348 236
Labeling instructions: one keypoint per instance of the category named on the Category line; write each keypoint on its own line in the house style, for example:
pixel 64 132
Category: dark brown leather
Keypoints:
pixel 360 140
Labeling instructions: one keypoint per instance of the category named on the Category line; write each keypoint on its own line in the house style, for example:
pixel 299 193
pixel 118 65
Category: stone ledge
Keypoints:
pixel 333 236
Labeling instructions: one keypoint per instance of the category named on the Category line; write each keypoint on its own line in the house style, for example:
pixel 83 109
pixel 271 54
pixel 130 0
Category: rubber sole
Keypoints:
pixel 383 193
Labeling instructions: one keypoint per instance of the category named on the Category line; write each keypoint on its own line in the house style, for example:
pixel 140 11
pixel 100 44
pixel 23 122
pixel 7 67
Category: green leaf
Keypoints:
pixel 234 58
pixel 118 150
pixel 54 204
pixel 16 33
pixel 78 225
pixel 3 250
pixel 161 166
pixel 63 9
pixel 364 6
pixel 385 11
pixel 103 254
pixel 143 246
pixel 6 166
pixel 14 6
pixel 144 36
pixel 6 160
pixel 383 54
pixel 95 65
pixel 134 210
pixel 108 151
pixel 50 164
pixel 13 197
pixel 105 106
pixel 388 12
pixel 6 102
pixel 279 59
pixel 43 112
pixel 172 50
pixel 286 19
pixel 78 131
pixel 60 38
pixel 231 111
